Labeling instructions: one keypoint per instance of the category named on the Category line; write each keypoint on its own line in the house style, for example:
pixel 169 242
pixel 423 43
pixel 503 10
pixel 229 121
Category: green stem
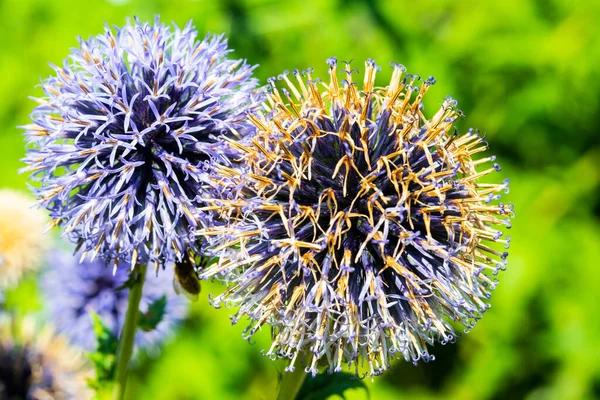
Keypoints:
pixel 291 382
pixel 127 337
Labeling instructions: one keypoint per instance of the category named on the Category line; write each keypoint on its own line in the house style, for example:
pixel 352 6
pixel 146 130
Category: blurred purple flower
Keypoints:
pixel 72 290
pixel 125 137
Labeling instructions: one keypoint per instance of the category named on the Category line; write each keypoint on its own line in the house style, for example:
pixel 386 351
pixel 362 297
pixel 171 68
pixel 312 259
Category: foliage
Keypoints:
pixel 323 386
pixel 151 318
pixel 104 358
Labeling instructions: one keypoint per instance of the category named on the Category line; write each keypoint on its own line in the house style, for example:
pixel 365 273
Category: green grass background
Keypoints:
pixel 525 72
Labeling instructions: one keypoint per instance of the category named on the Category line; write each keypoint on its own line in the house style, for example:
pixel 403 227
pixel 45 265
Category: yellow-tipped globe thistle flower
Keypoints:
pixel 37 364
pixel 22 240
pixel 363 230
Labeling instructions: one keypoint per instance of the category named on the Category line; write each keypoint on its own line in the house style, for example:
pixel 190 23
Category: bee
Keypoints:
pixel 186 278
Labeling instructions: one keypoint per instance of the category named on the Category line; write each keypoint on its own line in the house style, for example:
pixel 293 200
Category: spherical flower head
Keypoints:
pixel 22 241
pixel 362 232
pixel 123 142
pixel 35 363
pixel 74 290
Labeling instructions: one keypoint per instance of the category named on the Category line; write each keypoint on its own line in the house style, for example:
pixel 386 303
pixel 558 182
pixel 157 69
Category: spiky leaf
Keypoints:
pixel 323 386
pixel 104 358
pixel 151 318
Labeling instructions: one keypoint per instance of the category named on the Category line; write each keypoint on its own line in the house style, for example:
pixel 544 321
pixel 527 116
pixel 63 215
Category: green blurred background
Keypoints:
pixel 525 72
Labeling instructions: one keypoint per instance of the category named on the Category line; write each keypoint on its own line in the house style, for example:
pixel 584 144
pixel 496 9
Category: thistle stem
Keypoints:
pixel 127 336
pixel 291 382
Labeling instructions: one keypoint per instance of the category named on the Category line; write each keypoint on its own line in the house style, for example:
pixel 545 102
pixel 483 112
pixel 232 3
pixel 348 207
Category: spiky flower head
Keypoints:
pixel 22 241
pixel 124 139
pixel 73 291
pixel 35 363
pixel 362 232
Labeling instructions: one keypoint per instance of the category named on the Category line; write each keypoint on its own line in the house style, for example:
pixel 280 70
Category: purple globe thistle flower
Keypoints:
pixel 361 232
pixel 123 140
pixel 73 291
pixel 35 363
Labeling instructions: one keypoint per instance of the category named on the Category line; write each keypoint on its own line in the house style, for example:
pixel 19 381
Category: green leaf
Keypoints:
pixel 151 318
pixel 104 358
pixel 128 284
pixel 132 280
pixel 324 385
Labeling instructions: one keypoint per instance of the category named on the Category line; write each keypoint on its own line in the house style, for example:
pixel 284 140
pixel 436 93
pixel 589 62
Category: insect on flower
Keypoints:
pixel 363 230
pixel 124 139
pixel 186 279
